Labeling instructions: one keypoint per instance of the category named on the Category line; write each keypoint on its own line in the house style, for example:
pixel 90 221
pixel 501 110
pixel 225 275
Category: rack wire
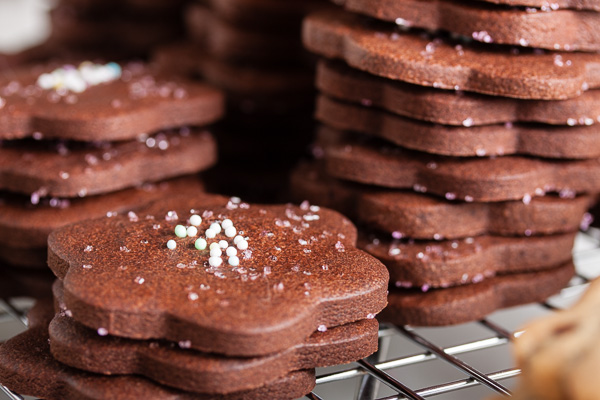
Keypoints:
pixel 448 360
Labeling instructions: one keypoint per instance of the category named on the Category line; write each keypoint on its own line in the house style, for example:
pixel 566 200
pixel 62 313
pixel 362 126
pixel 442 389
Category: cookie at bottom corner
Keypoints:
pixel 27 367
pixel 559 354
pixel 461 304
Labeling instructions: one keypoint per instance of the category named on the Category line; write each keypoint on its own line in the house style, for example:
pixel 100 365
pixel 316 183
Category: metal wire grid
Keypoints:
pixel 373 373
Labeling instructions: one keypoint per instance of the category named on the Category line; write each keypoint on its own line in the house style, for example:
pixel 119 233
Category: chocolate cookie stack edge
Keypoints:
pixel 202 297
pixel 467 151
pixel 252 49
pixel 86 140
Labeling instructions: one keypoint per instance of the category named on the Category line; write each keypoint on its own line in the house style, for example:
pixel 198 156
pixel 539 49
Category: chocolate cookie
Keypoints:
pixel 100 102
pixel 27 367
pixel 558 354
pixel 451 107
pixel 172 365
pixel 281 273
pixel 560 29
pixel 382 50
pixel 26 222
pixel 469 179
pixel 471 302
pixel 75 169
pixel 422 216
pixel 457 262
pixel 464 141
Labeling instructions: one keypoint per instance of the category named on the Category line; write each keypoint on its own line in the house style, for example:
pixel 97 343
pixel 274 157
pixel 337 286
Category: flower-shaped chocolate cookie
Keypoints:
pixel 90 102
pixel 217 275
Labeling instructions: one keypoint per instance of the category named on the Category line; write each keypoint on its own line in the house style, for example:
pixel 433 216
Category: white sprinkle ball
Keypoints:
pixel 192 231
pixel 195 220
pixel 46 81
pixel 215 226
pixel 210 234
pixel 230 231
pixel 215 261
pixel 223 244
pixel 214 245
pixel 180 231
pixel 215 252
pixel 226 223
pixel 171 244
pixel 102 332
pixel 200 244
pixel 237 239
pixel 231 251
pixel 242 244
pixel 234 261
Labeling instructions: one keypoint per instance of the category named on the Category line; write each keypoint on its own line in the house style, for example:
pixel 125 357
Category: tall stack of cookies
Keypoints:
pixel 252 50
pixel 199 297
pixel 116 28
pixel 88 140
pixel 464 139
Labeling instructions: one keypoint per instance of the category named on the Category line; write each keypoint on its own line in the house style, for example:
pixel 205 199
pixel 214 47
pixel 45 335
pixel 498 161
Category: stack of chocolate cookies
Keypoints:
pixel 199 297
pixel 465 142
pixel 129 28
pixel 87 140
pixel 252 50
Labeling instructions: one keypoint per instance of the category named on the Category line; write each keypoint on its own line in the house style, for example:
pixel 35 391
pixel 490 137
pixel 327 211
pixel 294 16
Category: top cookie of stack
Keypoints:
pixel 81 141
pixel 458 109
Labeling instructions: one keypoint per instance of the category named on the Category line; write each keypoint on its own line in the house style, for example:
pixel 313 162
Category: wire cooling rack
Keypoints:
pixel 469 361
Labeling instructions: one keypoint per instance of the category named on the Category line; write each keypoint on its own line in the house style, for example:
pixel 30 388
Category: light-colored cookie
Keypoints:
pixel 560 354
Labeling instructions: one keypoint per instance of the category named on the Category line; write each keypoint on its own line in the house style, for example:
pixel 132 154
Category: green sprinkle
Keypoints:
pixel 200 244
pixel 180 231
